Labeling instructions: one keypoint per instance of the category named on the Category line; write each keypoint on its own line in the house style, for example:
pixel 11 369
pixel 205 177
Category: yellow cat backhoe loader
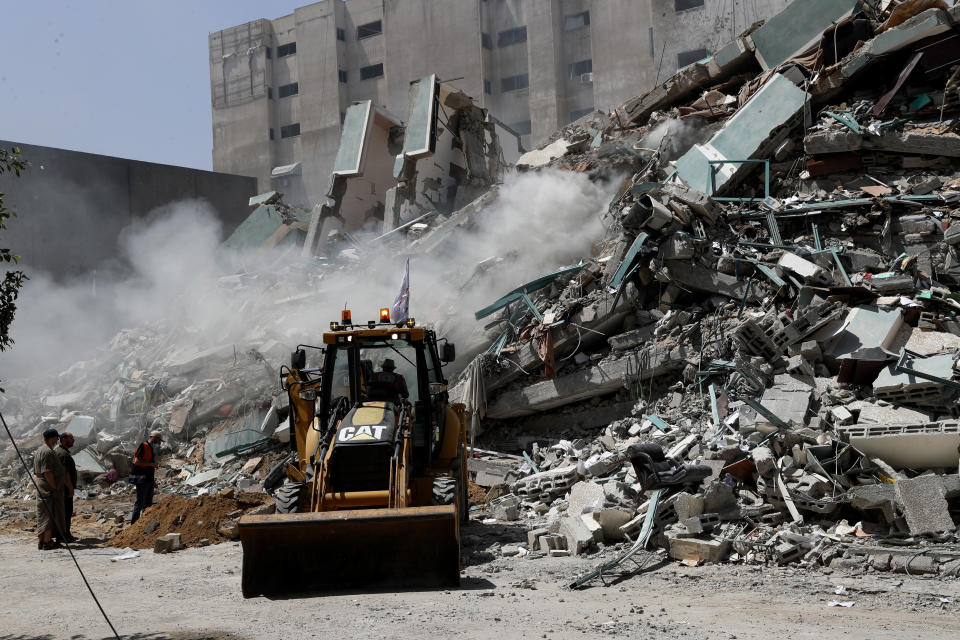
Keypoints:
pixel 377 488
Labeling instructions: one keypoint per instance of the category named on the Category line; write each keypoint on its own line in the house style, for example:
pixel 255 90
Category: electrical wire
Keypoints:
pixel 57 525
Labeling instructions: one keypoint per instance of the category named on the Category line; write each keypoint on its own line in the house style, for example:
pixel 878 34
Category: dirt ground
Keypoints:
pixel 195 593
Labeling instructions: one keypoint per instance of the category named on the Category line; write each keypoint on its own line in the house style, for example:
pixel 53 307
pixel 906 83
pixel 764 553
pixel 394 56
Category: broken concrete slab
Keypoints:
pixel 579 536
pixel 916 446
pixel 88 462
pixel 757 125
pixel 82 428
pixel 788 399
pixel 701 278
pixel 797 28
pixel 833 141
pixel 906 388
pixel 888 414
pixel 603 378
pixel 585 497
pixel 924 504
pixel 539 157
pixel 203 477
pixel 865 327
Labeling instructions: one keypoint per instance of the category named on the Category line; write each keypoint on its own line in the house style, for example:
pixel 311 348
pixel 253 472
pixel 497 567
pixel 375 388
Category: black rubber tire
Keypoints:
pixel 288 496
pixel 445 490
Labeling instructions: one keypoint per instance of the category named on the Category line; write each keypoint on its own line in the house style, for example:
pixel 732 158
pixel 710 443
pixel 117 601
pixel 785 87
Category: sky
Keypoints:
pixel 125 78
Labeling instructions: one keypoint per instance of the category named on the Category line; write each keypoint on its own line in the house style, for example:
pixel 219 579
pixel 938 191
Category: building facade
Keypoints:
pixel 279 88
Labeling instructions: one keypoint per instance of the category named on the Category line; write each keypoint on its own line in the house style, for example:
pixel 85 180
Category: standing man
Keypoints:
pixel 143 474
pixel 70 481
pixel 50 476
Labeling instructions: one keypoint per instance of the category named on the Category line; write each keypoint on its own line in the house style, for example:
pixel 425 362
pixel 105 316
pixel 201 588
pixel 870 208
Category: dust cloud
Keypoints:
pixel 180 289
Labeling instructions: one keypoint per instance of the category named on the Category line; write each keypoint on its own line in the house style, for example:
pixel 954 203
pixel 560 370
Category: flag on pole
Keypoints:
pixel 400 310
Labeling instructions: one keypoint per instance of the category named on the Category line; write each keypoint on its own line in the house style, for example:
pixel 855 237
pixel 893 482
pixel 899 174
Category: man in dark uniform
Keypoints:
pixel 70 481
pixel 143 473
pixel 50 476
pixel 392 383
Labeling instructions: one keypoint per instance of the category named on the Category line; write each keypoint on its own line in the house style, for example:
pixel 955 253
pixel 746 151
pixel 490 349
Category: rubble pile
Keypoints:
pixel 199 521
pixel 757 362
pixel 769 329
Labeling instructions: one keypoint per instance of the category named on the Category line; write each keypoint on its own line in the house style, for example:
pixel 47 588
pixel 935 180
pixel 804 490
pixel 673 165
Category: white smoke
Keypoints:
pixel 177 292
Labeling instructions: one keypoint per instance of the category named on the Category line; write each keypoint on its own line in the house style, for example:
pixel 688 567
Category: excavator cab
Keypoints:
pixel 379 471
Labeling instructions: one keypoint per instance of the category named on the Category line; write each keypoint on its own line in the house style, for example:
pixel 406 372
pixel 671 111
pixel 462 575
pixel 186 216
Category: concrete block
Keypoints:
pixel 506 508
pixel 865 327
pixel 229 530
pixel 533 537
pixel 880 561
pixel 798 365
pixel 952 235
pixel 764 460
pixel 263 510
pixel 595 528
pixel 687 506
pixel 875 496
pixel 924 504
pixel 841 415
pixel 887 414
pixel 579 536
pixel 805 269
pixel 585 497
pixel 553 482
pixel 756 127
pixel 701 524
pixel 552 542
pixel 811 350
pixel 696 550
pixel 718 498
pixel 861 260
pixel 787 552
pixel 897 387
pixel 599 466
pixel 168 543
pixel 789 402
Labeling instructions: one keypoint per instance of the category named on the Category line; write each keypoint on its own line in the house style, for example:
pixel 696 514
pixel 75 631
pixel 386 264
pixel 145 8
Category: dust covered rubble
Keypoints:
pixel 768 331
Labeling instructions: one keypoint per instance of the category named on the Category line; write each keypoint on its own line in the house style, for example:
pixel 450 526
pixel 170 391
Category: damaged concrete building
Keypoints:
pixel 280 88
pixel 756 360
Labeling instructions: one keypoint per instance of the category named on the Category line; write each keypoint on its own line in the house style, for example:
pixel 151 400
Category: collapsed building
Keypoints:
pixel 768 329
pixel 773 308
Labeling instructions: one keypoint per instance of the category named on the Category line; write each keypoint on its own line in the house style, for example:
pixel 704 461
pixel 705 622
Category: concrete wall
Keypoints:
pixel 622 62
pixel 706 27
pixel 73 207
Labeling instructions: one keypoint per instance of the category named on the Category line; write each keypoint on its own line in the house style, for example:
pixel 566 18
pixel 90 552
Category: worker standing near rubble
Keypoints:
pixel 143 474
pixel 69 481
pixel 50 475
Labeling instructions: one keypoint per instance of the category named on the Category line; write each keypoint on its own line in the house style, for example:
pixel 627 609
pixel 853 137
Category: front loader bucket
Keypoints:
pixel 350 549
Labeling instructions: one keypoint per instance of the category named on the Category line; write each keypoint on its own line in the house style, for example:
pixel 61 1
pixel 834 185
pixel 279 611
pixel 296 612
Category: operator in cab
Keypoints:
pixel 390 382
